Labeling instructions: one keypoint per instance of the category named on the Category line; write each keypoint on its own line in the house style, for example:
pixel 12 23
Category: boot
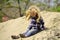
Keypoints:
pixel 22 36
pixel 15 37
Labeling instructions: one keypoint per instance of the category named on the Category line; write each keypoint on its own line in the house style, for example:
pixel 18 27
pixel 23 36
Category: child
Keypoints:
pixel 36 24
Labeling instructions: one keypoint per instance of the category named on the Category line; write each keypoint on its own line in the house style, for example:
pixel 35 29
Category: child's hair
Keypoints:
pixel 37 10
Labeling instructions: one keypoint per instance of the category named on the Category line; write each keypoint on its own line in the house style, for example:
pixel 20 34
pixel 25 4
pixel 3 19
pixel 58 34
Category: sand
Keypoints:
pixel 19 25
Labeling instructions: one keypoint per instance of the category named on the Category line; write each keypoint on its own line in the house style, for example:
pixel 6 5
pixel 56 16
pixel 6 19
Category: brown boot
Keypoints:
pixel 15 37
pixel 22 36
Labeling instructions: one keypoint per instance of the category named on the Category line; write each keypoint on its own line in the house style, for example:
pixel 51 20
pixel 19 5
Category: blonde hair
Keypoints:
pixel 36 10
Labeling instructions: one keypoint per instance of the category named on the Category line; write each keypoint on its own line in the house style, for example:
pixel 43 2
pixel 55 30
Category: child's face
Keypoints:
pixel 33 12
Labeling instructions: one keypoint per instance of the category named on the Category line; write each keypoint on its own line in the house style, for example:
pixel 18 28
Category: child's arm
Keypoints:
pixel 32 24
pixel 42 22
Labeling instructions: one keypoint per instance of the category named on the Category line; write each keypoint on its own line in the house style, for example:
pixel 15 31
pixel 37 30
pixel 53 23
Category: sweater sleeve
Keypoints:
pixel 32 24
pixel 42 23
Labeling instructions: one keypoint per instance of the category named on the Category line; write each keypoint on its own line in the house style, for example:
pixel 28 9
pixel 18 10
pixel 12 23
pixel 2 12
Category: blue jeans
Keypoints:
pixel 30 32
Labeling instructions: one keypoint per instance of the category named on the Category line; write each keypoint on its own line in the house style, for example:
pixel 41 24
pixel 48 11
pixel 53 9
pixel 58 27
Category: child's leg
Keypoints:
pixel 25 32
pixel 31 32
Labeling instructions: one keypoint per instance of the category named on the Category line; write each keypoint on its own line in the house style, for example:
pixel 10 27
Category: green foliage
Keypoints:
pixel 3 1
pixel 41 4
pixel 54 9
pixel 58 9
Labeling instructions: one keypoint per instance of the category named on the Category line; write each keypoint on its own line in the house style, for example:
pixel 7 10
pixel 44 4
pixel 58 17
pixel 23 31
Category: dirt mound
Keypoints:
pixel 19 25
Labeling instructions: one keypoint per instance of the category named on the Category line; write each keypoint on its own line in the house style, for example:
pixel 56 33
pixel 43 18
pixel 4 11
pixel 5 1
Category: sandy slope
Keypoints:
pixel 16 26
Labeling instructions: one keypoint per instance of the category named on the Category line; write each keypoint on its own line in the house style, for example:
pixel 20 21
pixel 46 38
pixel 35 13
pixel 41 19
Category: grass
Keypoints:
pixel 57 9
pixel 54 9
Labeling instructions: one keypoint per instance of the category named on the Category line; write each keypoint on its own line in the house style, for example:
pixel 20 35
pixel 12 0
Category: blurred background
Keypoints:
pixel 11 9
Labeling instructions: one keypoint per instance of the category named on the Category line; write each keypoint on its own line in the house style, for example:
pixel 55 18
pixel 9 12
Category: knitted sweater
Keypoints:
pixel 35 25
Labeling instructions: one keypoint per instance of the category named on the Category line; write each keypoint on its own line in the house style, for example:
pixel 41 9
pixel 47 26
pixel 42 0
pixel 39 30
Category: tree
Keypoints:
pixel 19 8
pixel 26 4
